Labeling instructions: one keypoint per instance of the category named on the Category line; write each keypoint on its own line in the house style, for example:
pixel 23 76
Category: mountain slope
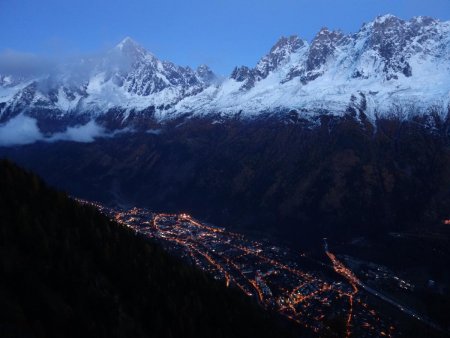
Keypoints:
pixel 387 62
pixel 67 271
pixel 340 179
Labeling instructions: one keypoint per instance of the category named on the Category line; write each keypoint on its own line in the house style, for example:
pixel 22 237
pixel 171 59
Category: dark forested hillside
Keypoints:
pixel 67 271
pixel 335 177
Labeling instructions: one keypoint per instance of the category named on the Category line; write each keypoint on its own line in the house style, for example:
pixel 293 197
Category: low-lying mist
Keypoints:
pixel 23 129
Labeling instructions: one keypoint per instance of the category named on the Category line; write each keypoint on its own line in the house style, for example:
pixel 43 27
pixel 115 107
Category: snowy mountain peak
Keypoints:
pixel 132 50
pixel 388 61
pixel 279 55
pixel 287 45
pixel 425 20
pixel 327 36
pixel 127 43
pixel 387 19
pixel 322 47
pixel 205 74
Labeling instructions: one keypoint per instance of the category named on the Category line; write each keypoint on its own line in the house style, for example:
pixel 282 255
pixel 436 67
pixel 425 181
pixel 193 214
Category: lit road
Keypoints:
pixel 346 273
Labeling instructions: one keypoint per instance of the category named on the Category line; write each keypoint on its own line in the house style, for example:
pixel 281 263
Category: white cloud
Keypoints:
pixel 23 129
pixel 20 129
pixel 84 133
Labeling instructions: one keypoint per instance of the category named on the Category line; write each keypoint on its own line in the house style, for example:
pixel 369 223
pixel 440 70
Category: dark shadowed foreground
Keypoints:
pixel 67 271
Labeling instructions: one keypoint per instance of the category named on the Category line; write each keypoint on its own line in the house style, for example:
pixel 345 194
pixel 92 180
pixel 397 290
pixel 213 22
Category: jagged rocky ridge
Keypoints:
pixel 387 62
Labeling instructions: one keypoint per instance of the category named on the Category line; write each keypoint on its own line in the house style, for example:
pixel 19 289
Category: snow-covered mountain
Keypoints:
pixel 387 62
pixel 128 77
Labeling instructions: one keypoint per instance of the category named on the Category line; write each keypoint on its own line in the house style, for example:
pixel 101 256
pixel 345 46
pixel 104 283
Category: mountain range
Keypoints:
pixel 388 63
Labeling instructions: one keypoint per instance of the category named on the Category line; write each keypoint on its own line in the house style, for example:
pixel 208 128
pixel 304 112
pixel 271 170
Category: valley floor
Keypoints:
pixel 312 293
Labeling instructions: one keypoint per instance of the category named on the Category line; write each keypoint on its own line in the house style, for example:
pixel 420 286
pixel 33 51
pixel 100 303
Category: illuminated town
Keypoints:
pixel 271 274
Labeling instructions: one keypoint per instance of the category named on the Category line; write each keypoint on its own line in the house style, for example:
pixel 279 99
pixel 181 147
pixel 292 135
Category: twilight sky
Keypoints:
pixel 220 33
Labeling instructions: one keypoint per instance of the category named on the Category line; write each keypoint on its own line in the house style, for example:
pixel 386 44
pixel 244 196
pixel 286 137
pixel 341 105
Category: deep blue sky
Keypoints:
pixel 220 33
